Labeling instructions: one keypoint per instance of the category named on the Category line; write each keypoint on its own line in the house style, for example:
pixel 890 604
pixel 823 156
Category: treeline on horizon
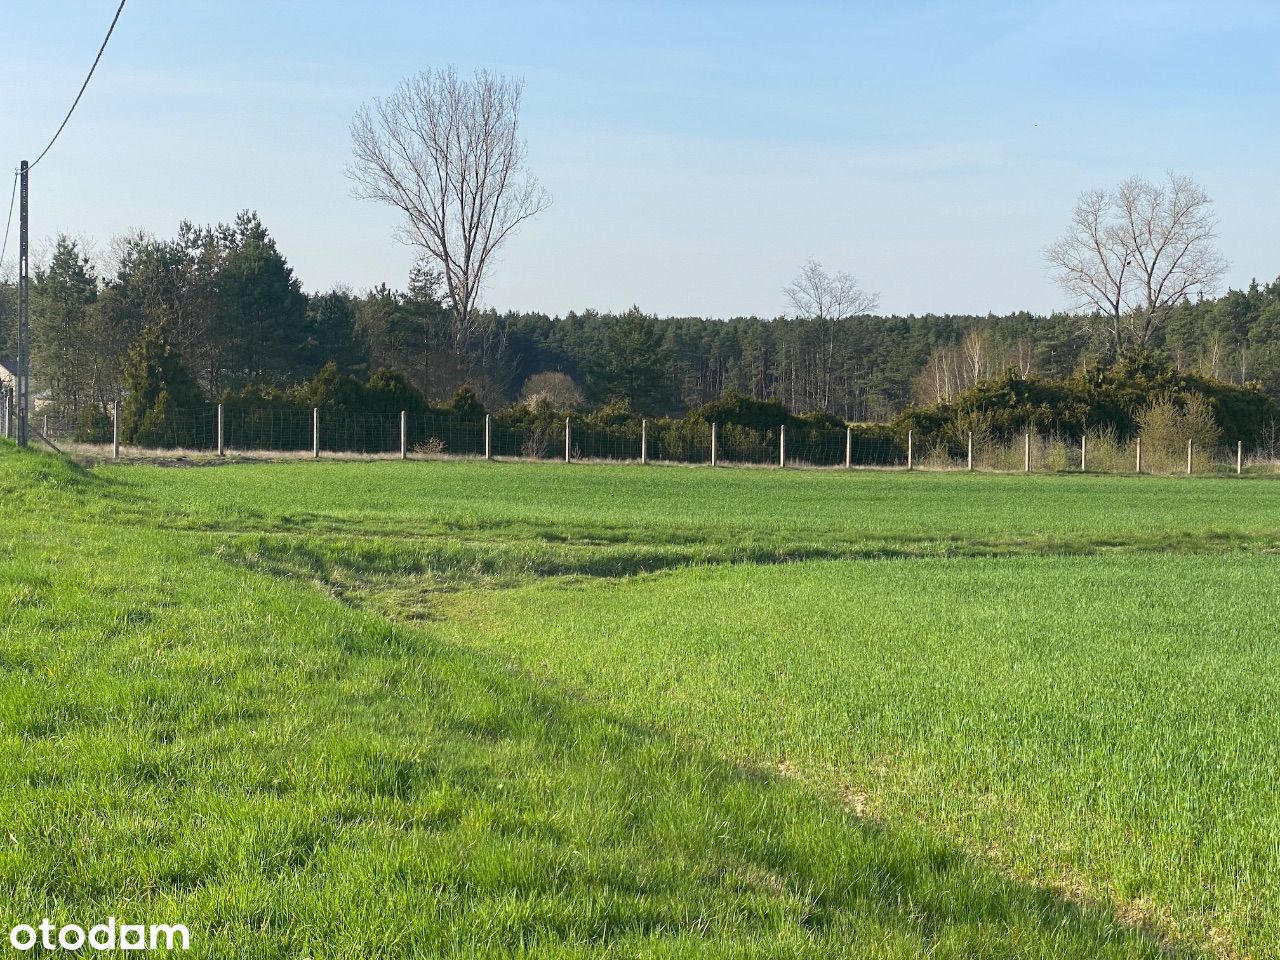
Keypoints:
pixel 227 304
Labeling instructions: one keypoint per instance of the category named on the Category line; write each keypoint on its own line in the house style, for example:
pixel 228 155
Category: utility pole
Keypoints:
pixel 24 329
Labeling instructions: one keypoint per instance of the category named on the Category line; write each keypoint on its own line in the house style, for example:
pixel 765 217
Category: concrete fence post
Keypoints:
pixel 1189 446
pixel 1084 442
pixel 911 445
pixel 1239 457
pixel 1026 453
pixel 644 441
pixel 115 430
pixel 782 445
pixel 568 448
pixel 315 432
pixel 715 438
pixel 969 464
pixel 404 434
pixel 222 437
pixel 848 447
pixel 45 423
pixel 1139 463
pixel 488 437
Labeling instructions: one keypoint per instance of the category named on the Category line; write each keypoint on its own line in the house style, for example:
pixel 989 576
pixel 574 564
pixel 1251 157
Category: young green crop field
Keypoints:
pixel 384 709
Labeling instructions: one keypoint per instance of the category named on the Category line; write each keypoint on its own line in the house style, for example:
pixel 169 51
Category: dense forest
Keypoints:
pixel 226 302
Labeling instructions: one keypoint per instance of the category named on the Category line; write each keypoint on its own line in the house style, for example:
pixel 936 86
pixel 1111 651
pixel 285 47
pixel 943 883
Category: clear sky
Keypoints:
pixel 697 152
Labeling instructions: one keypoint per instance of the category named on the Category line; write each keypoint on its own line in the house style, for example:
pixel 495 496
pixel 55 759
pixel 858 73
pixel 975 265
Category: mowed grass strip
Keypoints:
pixel 185 740
pixel 1101 725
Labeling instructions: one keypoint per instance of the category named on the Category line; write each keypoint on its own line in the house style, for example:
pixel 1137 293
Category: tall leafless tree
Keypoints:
pixel 825 300
pixel 446 152
pixel 818 295
pixel 1133 253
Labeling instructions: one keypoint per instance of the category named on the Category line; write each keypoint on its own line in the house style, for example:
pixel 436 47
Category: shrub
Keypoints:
pixel 1114 399
pixel 1107 453
pixel 1167 425
pixel 431 447
pixel 556 389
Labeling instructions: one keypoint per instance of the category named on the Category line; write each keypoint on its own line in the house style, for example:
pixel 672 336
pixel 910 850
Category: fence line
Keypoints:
pixel 220 431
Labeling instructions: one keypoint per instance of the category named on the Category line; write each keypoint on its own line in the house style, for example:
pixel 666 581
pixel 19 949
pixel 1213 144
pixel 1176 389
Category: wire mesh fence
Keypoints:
pixel 283 430
pixel 319 432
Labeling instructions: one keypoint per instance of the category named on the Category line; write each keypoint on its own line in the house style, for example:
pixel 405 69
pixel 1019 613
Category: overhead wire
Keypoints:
pixel 84 86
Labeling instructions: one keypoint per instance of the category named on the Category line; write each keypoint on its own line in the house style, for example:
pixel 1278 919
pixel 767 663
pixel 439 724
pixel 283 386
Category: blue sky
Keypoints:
pixel 697 152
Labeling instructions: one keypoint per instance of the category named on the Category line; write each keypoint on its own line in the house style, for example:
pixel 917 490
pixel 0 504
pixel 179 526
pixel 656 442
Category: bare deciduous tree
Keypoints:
pixel 826 300
pixel 817 295
pixel 1133 253
pixel 953 369
pixel 977 355
pixel 446 152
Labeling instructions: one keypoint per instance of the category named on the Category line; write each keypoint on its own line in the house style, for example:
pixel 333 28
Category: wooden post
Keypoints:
pixel 1026 453
pixel 222 442
pixel 1084 442
pixel 848 447
pixel 115 430
pixel 782 445
pixel 644 441
pixel 715 436
pixel 568 450
pixel 911 440
pixel 970 461
pixel 45 431
pixel 404 435
pixel 488 437
pixel 1189 445
pixel 1239 457
pixel 315 432
pixel 1139 466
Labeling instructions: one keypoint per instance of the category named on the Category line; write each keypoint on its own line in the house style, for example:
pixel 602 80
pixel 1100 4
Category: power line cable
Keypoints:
pixel 83 86
pixel 4 247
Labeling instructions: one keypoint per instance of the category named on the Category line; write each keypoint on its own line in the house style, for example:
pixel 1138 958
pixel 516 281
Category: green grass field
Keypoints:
pixel 465 709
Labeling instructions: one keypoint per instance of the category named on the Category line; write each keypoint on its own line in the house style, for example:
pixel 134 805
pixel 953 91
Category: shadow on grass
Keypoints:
pixel 407 570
